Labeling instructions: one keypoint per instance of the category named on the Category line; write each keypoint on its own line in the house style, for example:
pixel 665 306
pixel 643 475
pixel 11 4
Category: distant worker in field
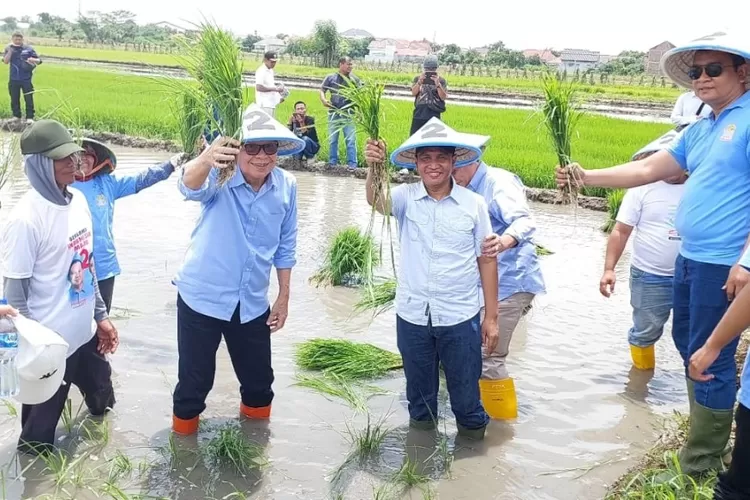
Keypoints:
pixel 688 109
pixel 303 126
pixel 519 273
pixel 429 91
pixel 268 93
pixel 650 210
pixel 23 60
pixel 339 115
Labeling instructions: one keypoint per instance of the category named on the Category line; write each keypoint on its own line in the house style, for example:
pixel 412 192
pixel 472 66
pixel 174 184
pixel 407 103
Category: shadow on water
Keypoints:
pixel 584 415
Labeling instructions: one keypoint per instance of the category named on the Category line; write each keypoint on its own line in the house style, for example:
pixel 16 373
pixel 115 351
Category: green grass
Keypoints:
pixel 350 259
pixel 528 85
pixel 349 360
pixel 140 106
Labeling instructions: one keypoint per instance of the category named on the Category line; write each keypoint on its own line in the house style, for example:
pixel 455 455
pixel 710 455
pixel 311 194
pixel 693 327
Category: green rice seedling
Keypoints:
pixel 120 467
pixel 355 395
pixel 10 408
pixel 408 475
pixel 231 447
pixel 387 491
pixel 192 116
pixel 95 431
pixel 350 258
pixel 560 114
pixel 645 486
pixel 614 200
pixel 9 154
pixel 349 360
pixel 367 441
pixel 428 493
pixel 67 416
pixel 377 298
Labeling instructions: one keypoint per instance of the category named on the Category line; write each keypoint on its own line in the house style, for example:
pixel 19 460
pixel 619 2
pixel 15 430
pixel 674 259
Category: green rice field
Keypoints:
pixel 139 106
pixel 504 83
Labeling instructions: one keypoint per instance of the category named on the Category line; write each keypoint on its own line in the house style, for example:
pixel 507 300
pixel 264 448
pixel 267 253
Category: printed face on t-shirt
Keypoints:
pixel 76 275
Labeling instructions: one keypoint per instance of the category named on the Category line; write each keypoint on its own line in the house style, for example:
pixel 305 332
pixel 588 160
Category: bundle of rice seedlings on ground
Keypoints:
pixel 560 115
pixel 377 298
pixel 614 200
pixel 355 395
pixel 350 259
pixel 542 251
pixel 349 360
pixel 368 114
pixel 231 447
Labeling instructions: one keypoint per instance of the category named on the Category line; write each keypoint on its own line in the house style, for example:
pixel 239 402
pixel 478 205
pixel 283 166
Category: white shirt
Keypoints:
pixel 51 245
pixel 686 109
pixel 650 209
pixel 440 242
pixel 264 76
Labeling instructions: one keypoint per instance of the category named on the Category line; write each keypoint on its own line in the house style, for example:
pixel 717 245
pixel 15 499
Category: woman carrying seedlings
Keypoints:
pixel 441 229
pixel 519 273
pixel 247 226
pixel 712 220
pixel 102 187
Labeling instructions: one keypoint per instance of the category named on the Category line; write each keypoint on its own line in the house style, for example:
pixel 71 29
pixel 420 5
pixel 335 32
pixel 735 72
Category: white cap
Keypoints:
pixel 259 126
pixel 662 142
pixel 676 62
pixel 42 355
pixel 435 133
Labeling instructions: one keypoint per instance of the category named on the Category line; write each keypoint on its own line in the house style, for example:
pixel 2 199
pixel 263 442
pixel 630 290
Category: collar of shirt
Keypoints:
pixel 479 176
pixel 421 192
pixel 238 180
pixel 742 102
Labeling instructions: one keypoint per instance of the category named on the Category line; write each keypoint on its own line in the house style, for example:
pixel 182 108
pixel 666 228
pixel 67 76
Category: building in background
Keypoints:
pixel 388 50
pixel 269 45
pixel 545 55
pixel 653 57
pixel 578 59
pixel 356 34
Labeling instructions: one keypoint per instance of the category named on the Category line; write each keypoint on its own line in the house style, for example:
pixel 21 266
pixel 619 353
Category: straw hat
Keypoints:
pixel 259 126
pixel 41 360
pixel 435 133
pixel 676 62
pixel 103 153
pixel 662 142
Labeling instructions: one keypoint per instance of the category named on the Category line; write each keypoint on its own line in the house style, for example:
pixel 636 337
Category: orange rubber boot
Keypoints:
pixel 185 427
pixel 263 413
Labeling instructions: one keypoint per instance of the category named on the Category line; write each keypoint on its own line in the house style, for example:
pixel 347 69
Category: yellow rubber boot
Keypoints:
pixel 644 358
pixel 499 398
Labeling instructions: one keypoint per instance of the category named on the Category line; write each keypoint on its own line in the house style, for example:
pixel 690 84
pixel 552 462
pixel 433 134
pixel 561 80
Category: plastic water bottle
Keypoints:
pixel 8 352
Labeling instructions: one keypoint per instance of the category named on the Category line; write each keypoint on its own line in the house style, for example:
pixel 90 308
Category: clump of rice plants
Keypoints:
pixel 191 113
pixel 350 259
pixel 614 200
pixel 560 115
pixel 542 251
pixel 331 384
pixel 377 298
pixel 349 360
pixel 231 447
pixel 366 444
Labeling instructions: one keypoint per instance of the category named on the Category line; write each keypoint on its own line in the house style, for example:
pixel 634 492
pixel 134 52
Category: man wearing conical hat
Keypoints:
pixel 246 226
pixel 519 272
pixel 713 220
pixel 441 229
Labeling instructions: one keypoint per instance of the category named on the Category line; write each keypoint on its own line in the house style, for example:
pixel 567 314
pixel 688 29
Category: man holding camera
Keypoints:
pixel 22 59
pixel 429 94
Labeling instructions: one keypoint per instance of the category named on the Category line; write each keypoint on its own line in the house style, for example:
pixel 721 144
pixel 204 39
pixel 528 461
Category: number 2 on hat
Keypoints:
pixel 434 131
pixel 258 121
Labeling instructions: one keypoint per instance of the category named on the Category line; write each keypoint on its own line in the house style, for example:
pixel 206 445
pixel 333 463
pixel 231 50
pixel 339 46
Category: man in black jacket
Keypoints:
pixel 303 127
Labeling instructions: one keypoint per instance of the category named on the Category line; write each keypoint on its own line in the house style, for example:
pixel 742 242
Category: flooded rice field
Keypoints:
pixel 584 415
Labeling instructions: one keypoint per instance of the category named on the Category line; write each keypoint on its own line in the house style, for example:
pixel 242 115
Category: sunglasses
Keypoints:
pixel 270 148
pixel 712 70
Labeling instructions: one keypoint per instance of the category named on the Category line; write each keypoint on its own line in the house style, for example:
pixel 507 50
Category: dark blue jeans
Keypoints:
pixel 311 148
pixel 699 304
pixel 459 349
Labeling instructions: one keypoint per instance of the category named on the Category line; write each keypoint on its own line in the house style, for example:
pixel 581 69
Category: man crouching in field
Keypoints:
pixel 441 230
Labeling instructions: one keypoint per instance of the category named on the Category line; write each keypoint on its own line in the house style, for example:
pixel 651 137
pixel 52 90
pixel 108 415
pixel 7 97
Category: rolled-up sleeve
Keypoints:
pixel 202 194
pixel 286 253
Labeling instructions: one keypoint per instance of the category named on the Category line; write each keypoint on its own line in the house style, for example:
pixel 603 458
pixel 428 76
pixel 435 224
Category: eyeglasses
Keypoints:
pixel 712 70
pixel 253 148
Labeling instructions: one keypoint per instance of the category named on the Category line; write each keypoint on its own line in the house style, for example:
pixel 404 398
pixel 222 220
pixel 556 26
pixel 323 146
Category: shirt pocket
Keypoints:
pixel 458 232
pixel 416 223
pixel 268 220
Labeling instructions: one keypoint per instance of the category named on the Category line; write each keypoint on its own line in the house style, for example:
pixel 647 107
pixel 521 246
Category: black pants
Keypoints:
pixel 107 289
pixel 198 338
pixel 734 484
pixel 417 123
pixel 88 370
pixel 15 89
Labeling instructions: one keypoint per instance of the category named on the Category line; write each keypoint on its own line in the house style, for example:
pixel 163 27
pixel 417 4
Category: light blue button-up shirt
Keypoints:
pixel 440 242
pixel 518 267
pixel 239 235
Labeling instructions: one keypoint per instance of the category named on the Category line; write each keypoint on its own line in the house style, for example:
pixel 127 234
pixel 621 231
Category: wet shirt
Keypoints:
pixel 239 235
pixel 713 217
pixel 101 192
pixel 427 103
pixel 518 268
pixel 439 243
pixel 51 246
pixel 20 70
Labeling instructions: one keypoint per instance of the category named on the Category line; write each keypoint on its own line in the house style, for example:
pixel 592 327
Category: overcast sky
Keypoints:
pixel 634 24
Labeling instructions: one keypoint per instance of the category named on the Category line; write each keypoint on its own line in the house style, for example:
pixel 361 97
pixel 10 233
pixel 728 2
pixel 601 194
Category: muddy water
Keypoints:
pixel 585 416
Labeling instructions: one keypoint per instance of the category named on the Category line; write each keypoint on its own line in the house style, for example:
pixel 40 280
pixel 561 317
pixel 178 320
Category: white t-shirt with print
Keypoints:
pixel 51 245
pixel 650 209
pixel 265 76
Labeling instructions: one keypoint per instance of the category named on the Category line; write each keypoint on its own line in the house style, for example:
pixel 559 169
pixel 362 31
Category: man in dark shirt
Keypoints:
pixel 303 127
pixel 429 94
pixel 22 60
pixel 339 118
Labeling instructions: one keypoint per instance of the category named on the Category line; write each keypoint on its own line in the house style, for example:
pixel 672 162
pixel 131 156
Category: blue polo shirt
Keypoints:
pixel 713 216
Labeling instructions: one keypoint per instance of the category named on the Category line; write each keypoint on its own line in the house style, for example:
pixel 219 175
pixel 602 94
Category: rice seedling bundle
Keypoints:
pixel 348 360
pixel 614 200
pixel 542 251
pixel 354 394
pixel 350 259
pixel 561 114
pixel 378 297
